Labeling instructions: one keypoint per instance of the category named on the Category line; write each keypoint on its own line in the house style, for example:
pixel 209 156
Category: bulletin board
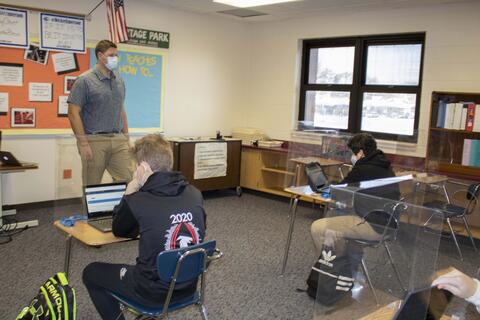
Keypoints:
pixel 143 70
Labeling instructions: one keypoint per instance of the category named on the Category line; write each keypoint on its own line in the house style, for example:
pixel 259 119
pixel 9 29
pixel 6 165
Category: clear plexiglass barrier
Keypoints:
pixel 375 245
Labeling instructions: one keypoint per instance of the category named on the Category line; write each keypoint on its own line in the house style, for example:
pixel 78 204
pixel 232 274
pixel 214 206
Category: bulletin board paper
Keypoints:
pixel 62 33
pixel 144 76
pixel 144 94
pixel 46 117
pixel 14 27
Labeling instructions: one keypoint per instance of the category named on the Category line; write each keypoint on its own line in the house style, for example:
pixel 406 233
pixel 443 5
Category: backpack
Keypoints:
pixel 330 278
pixel 55 301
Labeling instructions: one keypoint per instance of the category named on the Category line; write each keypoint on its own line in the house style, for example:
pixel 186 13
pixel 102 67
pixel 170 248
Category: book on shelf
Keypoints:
pixel 463 121
pixel 442 106
pixel 458 116
pixel 449 116
pixel 471 153
pixel 476 119
pixel 470 116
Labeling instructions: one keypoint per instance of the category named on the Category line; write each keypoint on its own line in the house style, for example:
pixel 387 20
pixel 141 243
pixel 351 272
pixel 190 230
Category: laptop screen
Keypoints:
pixel 101 199
pixel 424 304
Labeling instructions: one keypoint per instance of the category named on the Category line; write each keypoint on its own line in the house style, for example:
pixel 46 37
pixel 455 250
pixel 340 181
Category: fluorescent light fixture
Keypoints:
pixel 251 3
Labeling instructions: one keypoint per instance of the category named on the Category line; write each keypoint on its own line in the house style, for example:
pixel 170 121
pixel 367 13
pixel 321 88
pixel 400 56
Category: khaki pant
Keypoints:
pixel 111 153
pixel 342 227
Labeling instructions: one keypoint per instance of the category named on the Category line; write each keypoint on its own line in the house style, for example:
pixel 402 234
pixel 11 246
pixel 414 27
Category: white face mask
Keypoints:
pixel 112 63
pixel 353 159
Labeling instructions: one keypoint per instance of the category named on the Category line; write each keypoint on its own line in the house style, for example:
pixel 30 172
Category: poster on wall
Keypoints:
pixel 210 160
pixel 3 103
pixel 68 83
pixel 62 106
pixel 62 33
pixel 40 92
pixel 64 63
pixel 11 74
pixel 23 117
pixel 13 27
pixel 35 54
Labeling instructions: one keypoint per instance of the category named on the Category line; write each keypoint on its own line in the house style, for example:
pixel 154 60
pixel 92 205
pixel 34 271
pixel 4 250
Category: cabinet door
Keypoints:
pixel 250 168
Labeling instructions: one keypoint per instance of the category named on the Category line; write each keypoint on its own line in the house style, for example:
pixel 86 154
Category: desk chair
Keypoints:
pixel 389 224
pixel 177 266
pixel 458 211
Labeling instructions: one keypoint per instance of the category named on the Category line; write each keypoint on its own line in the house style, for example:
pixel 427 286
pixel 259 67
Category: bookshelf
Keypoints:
pixel 446 146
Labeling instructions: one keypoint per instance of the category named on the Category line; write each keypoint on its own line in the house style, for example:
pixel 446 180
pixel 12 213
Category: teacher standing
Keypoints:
pixel 97 115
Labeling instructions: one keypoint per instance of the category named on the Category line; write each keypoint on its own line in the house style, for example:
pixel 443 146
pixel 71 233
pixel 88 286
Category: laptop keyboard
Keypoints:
pixel 103 224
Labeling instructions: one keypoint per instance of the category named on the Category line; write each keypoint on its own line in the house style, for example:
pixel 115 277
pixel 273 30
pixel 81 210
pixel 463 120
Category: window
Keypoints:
pixel 363 84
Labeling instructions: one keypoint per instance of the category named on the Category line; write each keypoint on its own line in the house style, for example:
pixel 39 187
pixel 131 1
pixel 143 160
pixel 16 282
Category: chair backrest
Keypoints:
pixel 383 222
pixel 472 191
pixel 191 267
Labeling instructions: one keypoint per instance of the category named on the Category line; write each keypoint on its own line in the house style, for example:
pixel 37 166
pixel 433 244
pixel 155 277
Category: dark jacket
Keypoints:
pixel 374 166
pixel 167 213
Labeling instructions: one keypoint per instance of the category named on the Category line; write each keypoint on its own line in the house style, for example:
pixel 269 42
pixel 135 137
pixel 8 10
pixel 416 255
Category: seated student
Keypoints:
pixel 460 285
pixel 369 163
pixel 150 207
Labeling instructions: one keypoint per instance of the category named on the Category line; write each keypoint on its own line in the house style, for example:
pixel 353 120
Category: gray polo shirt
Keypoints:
pixel 101 101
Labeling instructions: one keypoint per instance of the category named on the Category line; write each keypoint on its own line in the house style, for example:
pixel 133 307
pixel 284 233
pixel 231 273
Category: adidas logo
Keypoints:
pixel 327 258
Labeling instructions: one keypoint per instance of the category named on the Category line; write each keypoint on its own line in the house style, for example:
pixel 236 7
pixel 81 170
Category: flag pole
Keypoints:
pixel 88 16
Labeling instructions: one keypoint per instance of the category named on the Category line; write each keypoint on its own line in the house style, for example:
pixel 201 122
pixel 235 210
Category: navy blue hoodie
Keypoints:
pixel 168 214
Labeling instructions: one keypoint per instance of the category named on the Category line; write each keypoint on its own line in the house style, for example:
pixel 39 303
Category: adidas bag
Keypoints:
pixel 330 278
pixel 54 301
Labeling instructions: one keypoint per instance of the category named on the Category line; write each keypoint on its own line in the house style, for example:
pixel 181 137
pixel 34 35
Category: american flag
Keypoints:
pixel 117 26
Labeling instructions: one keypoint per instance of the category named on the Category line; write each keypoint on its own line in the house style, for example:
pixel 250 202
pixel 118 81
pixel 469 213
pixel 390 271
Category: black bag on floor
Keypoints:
pixel 330 278
pixel 55 301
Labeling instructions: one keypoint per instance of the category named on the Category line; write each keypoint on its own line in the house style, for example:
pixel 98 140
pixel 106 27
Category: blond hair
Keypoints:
pixel 154 150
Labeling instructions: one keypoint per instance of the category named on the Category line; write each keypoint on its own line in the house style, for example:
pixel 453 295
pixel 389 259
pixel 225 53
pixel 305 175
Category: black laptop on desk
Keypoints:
pixel 100 200
pixel 7 159
pixel 316 177
pixel 424 304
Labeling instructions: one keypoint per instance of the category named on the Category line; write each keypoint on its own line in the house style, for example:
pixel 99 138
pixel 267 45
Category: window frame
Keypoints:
pixel 359 86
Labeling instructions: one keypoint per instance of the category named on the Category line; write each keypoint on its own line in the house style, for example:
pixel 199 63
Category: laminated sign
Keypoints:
pixel 210 160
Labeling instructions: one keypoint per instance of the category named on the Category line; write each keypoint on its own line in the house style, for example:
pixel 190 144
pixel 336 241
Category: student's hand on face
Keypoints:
pixel 133 186
pixel 457 283
pixel 85 151
pixel 143 172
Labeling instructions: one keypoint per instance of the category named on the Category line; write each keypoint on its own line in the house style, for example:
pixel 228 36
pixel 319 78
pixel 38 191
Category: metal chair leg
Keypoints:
pixel 426 222
pixel 367 275
pixel 467 227
pixel 454 238
pixel 390 257
pixel 203 312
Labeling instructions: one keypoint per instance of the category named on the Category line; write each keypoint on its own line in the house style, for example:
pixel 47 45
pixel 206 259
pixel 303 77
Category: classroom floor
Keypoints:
pixel 251 230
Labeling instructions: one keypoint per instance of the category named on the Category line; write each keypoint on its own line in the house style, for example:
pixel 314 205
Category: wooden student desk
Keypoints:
pixel 86 234
pixel 302 161
pixel 6 169
pixel 388 312
pixel 297 193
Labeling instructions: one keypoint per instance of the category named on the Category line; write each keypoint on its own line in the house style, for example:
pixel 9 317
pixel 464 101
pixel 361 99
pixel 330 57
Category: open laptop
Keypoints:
pixel 316 177
pixel 424 304
pixel 8 159
pixel 100 200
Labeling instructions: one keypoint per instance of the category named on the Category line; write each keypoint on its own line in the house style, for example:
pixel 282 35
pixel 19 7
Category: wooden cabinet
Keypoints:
pixel 184 161
pixel 445 146
pixel 271 170
pixel 266 170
